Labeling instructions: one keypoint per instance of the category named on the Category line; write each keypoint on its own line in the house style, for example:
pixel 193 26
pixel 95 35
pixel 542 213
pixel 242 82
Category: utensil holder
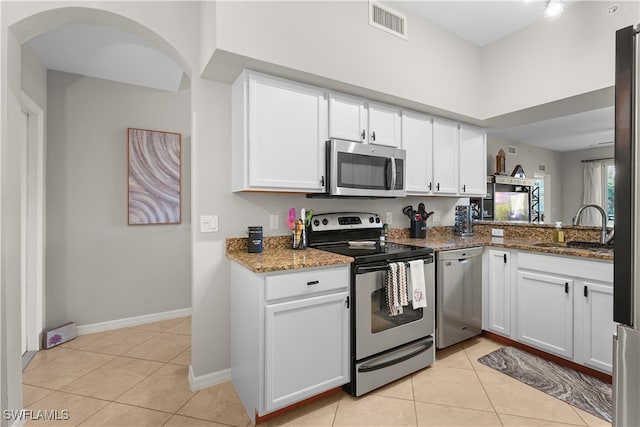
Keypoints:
pixel 418 229
pixel 299 238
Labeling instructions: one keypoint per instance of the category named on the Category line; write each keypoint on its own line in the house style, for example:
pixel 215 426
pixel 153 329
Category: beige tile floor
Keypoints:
pixel 138 377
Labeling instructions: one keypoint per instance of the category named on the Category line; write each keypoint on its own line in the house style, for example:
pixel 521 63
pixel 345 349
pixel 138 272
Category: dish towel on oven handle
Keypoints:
pixel 418 286
pixel 397 288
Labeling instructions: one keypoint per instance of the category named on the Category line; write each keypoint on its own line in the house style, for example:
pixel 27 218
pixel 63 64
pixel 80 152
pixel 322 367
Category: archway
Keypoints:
pixel 37 20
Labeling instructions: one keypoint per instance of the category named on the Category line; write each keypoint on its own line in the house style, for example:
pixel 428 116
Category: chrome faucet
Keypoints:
pixel 605 237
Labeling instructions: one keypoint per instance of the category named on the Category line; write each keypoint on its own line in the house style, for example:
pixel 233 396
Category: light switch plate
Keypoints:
pixel 389 218
pixel 208 223
pixel 273 222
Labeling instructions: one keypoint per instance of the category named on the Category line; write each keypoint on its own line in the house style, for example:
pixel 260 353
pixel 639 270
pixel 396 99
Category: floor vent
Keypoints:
pixel 387 19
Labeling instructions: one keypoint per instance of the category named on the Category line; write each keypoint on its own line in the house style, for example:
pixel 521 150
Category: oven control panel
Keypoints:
pixel 345 221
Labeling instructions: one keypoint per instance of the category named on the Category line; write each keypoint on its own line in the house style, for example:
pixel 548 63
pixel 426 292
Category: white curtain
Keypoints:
pixel 593 193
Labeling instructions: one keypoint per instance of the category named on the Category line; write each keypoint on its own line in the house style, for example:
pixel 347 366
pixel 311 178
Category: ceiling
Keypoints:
pixel 107 53
pixel 113 54
pixel 480 22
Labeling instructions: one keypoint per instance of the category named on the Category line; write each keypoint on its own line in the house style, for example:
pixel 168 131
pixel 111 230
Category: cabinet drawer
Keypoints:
pixel 306 282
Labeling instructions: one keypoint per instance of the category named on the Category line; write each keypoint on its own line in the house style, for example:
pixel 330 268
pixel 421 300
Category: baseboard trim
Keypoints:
pixel 208 380
pixel 92 328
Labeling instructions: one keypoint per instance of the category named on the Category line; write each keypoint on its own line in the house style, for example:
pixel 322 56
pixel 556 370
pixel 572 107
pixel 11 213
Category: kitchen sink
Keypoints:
pixel 588 245
pixel 575 244
pixel 549 245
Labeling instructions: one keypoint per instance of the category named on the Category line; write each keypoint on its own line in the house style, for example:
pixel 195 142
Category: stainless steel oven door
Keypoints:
pixel 375 329
pixel 357 169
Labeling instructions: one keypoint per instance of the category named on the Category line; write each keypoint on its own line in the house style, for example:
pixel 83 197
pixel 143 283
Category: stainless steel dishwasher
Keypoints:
pixel 458 295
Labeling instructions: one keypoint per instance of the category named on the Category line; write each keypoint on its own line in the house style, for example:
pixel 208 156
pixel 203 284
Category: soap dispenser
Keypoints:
pixel 558 233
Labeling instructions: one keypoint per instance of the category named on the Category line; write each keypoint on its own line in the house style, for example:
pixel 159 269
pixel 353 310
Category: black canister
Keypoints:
pixel 254 243
pixel 418 229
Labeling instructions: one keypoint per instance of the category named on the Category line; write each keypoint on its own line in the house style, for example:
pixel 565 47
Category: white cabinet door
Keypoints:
pixel 598 326
pixel 417 139
pixel 306 348
pixel 473 161
pixel 544 307
pixel 384 125
pixel 445 157
pixel 498 296
pixel 287 132
pixel 347 118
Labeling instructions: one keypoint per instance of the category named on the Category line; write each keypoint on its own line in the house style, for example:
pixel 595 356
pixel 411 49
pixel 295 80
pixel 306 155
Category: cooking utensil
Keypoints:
pixel 408 211
pixel 307 221
pixel 292 218
pixel 421 212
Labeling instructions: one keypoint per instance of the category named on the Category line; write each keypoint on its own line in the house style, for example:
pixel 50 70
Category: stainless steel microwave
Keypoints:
pixel 369 170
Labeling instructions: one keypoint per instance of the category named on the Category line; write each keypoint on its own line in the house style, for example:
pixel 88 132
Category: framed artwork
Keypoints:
pixel 154 186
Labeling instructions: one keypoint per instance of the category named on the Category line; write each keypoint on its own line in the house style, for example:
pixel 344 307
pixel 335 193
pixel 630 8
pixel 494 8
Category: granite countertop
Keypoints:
pixel 280 259
pixel 445 243
pixel 277 254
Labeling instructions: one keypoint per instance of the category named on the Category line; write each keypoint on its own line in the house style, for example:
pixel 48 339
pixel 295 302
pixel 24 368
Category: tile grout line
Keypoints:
pixel 475 371
pixel 163 364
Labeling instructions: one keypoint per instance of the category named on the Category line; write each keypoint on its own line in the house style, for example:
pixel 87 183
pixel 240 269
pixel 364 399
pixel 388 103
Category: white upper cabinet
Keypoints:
pixel 417 139
pixel 278 132
pixel 473 161
pixel 356 119
pixel 445 157
pixel 347 118
pixel 384 125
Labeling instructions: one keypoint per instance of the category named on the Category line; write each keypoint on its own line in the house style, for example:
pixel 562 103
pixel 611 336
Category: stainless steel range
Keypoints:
pixel 384 346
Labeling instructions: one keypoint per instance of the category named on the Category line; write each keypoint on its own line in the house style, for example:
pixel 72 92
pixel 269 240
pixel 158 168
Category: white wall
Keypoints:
pixel 531 158
pixel 552 60
pixel 573 177
pixel 33 77
pixel 99 268
pixel 334 40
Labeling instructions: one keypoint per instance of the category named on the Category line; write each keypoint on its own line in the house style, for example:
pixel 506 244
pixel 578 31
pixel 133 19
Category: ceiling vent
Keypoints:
pixel 387 19
pixel 512 150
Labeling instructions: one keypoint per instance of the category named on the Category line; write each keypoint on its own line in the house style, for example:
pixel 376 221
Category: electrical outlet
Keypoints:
pixel 273 222
pixel 389 219
pixel 497 232
pixel 436 216
pixel 208 223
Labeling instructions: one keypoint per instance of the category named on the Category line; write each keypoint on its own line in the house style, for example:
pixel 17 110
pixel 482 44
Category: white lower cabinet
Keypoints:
pixel 496 310
pixel 544 310
pixel 566 306
pixel 595 300
pixel 289 335
pixel 305 345
pixel 558 304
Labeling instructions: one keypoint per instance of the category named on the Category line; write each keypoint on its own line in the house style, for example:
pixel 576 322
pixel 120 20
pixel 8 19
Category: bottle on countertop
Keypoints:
pixel 383 234
pixel 558 233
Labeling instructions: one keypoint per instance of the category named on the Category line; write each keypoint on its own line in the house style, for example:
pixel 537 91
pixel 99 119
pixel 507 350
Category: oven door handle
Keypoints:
pixel 372 269
pixel 384 267
pixel 370 368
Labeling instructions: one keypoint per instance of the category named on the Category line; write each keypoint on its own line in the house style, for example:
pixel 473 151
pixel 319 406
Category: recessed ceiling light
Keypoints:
pixel 553 9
